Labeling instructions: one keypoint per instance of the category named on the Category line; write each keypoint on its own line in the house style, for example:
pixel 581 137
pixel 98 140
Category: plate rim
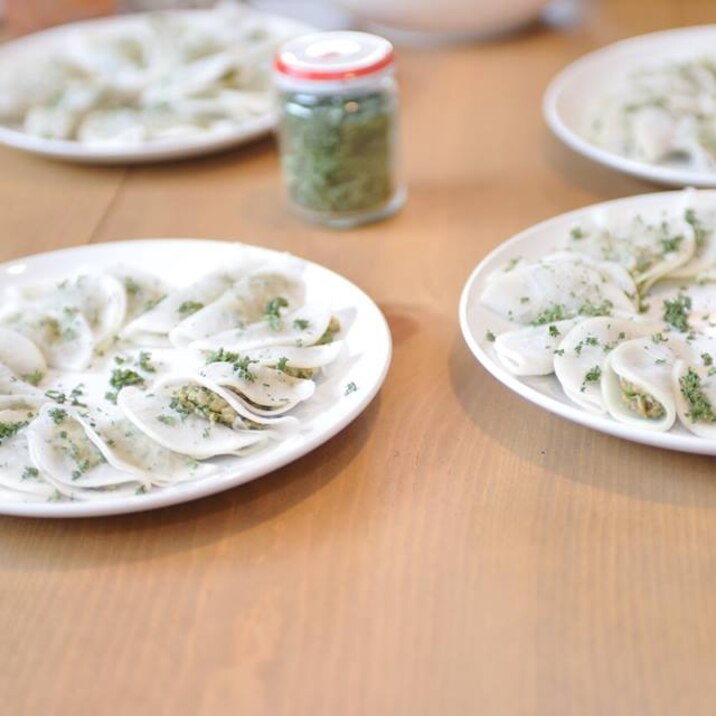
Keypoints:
pixel 188 492
pixel 661 175
pixel 145 152
pixel 599 422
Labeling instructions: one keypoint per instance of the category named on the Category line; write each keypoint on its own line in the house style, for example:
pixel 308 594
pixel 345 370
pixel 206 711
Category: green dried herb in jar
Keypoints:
pixel 338 127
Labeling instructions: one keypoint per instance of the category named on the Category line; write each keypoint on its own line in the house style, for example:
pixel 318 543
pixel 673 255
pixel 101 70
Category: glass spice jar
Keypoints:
pixel 338 127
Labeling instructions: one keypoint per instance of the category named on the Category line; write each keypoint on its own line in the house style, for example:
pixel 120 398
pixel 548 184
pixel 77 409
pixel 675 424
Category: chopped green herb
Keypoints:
pixel 490 336
pixel 8 430
pixel 167 419
pixel 57 415
pixel 189 307
pixel 221 356
pixel 671 245
pixel 350 388
pixel 281 364
pixel 29 472
pixel 593 375
pixel 121 378
pixel 700 408
pixel 676 312
pixel 301 324
pixel 577 233
pixel 241 368
pixel 707 359
pixel 145 362
pixel 550 315
pixel 57 395
pixel 596 309
pixel 554 331
pixel 272 312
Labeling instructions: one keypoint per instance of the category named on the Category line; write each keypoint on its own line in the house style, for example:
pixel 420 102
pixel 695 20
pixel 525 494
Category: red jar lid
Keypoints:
pixel 334 56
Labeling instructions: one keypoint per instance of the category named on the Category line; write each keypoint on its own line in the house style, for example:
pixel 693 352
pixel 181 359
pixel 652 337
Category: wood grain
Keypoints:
pixel 455 550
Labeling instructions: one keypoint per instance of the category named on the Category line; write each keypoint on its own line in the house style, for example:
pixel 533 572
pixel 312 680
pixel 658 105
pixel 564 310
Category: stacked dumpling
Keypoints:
pixel 623 313
pixel 149 77
pixel 114 383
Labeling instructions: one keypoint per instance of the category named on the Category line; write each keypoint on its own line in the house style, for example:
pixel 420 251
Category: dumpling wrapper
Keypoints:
pixel 579 360
pixel 242 304
pixel 308 357
pixel 561 286
pixel 647 248
pixel 647 368
pixel 269 392
pixel 304 327
pixel 127 448
pixel 22 356
pixel 142 289
pixel 703 222
pixel 12 385
pixel 18 473
pixel 62 450
pixel 64 336
pixel 530 350
pixel 179 303
pixel 100 298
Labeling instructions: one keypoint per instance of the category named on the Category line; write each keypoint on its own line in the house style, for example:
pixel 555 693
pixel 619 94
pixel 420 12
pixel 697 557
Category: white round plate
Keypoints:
pixel 545 391
pixel 363 362
pixel 571 94
pixel 42 43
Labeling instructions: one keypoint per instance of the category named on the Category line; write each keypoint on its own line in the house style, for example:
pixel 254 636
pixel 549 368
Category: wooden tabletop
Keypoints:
pixel 456 550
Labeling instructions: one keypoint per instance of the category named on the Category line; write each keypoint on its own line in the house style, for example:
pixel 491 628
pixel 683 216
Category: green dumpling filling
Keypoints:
pixel 198 400
pixel 639 402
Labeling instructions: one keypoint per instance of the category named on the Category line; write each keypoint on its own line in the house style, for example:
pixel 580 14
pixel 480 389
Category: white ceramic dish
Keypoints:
pixel 460 17
pixel 364 361
pixel 570 96
pixel 146 152
pixel 545 391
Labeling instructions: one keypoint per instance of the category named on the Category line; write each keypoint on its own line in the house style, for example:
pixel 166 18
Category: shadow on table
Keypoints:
pixel 73 544
pixel 602 181
pixel 623 467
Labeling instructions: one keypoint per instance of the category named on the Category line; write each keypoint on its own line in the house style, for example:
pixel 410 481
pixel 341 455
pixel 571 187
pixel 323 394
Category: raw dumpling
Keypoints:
pixel 264 390
pixel 637 383
pixel 244 303
pixel 19 477
pixel 22 356
pixel 559 287
pixel 530 350
pixel 60 447
pixel 308 326
pixel 129 449
pixel 579 360
pixel 194 417
pixel 64 336
pixel 647 248
pixel 180 303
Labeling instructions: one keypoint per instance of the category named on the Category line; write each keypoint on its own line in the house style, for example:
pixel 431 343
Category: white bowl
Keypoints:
pixel 457 17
